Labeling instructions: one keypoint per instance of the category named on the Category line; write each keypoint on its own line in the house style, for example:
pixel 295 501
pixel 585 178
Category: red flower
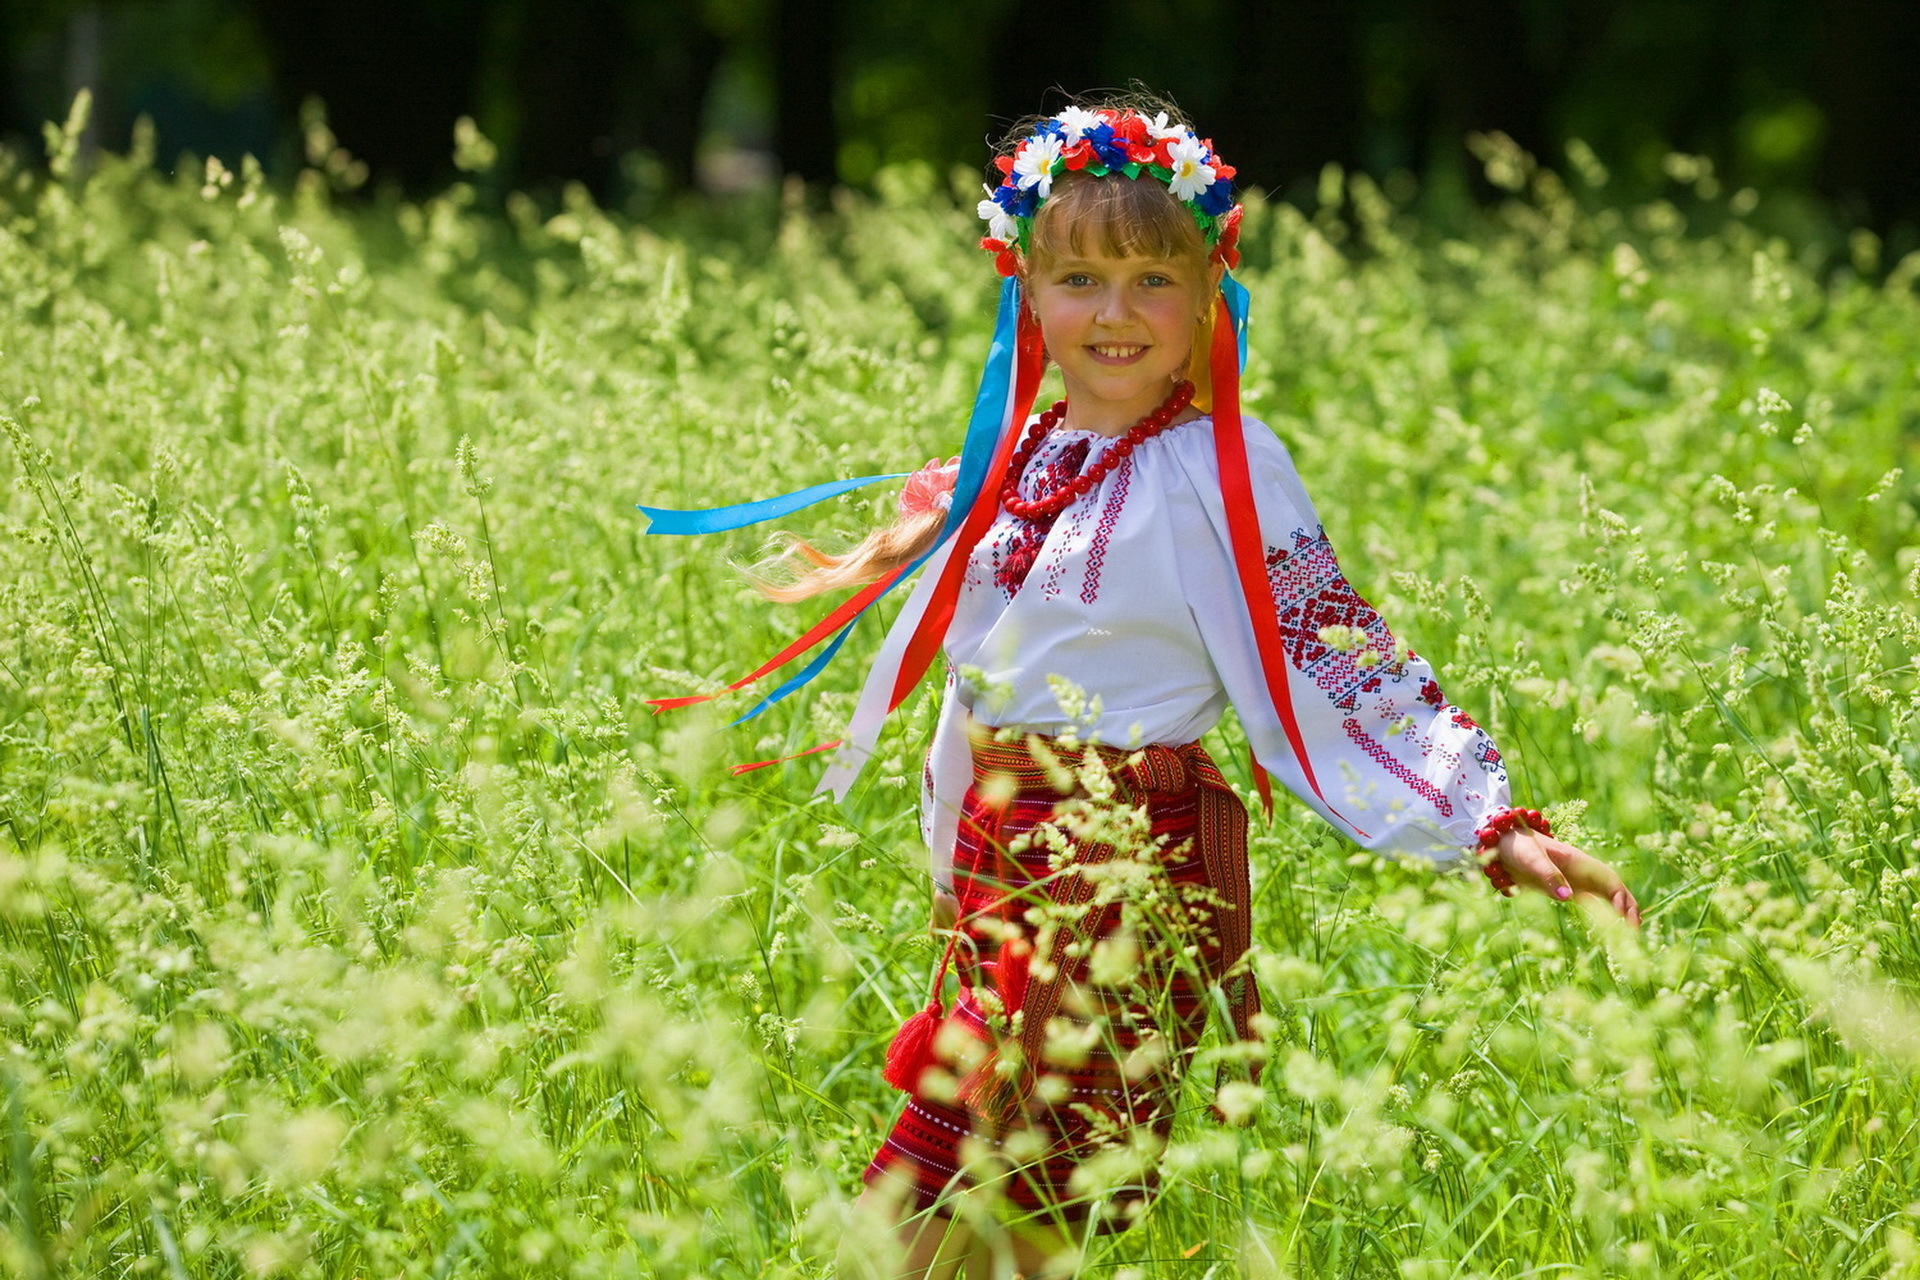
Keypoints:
pixel 1227 248
pixel 1004 164
pixel 1005 260
pixel 1079 155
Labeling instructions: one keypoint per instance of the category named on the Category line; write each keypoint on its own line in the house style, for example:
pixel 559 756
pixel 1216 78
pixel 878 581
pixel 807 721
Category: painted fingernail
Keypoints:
pixel 1563 893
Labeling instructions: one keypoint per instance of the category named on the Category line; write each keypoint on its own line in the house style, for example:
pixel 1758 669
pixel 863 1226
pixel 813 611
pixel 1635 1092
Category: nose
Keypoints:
pixel 1115 309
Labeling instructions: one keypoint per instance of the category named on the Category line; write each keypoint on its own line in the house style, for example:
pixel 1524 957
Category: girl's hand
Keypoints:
pixel 1556 867
pixel 946 912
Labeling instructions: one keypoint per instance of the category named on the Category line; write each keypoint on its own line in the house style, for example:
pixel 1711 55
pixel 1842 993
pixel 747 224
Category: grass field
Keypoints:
pixel 357 921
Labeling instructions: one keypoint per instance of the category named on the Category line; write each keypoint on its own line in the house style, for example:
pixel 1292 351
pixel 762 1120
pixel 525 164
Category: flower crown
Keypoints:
pixel 1099 143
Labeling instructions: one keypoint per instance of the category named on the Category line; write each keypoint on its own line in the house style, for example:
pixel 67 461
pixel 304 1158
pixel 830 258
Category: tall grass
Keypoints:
pixel 355 919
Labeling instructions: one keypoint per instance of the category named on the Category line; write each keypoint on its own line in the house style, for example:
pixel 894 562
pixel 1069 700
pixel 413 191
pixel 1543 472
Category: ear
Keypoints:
pixel 1025 276
pixel 1199 361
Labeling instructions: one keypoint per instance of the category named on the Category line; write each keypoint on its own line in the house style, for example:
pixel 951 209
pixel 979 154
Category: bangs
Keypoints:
pixel 1116 217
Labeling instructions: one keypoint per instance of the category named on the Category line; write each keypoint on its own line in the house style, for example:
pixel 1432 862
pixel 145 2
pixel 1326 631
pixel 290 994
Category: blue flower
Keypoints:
pixel 1216 199
pixel 1018 203
pixel 1112 152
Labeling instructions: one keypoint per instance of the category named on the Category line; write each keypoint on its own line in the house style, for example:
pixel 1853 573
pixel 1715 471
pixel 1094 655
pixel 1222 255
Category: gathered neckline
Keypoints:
pixel 1101 435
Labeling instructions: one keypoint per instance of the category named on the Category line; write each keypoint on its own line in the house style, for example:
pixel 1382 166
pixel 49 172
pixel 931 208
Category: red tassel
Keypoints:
pixel 989 1093
pixel 911 1052
pixel 991 1089
pixel 1012 970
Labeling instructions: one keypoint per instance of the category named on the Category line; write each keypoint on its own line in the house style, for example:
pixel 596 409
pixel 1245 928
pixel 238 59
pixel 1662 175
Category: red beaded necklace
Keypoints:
pixel 1052 504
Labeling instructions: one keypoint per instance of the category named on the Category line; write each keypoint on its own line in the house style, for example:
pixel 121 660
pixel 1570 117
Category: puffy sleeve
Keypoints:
pixel 944 782
pixel 1382 754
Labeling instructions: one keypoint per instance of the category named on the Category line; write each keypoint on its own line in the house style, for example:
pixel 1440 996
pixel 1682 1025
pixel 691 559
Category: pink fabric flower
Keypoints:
pixel 930 487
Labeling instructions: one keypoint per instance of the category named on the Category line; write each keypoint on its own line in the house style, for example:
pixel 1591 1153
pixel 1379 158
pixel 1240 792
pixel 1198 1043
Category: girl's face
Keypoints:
pixel 1120 328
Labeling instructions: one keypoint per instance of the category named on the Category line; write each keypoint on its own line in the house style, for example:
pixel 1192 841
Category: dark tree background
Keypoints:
pixel 654 96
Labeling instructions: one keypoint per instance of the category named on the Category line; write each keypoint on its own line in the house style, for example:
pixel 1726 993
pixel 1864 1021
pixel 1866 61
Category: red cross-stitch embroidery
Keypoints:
pixel 1484 751
pixel 1312 594
pixel 1391 763
pixel 1014 559
pixel 1073 520
pixel 1102 532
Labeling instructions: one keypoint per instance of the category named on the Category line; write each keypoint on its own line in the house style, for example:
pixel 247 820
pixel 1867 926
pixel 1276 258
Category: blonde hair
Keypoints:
pixel 799 569
pixel 1119 219
pixel 1122 219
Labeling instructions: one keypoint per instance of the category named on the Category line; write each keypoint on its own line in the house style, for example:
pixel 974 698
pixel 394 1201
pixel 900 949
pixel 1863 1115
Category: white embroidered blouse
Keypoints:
pixel 1130 595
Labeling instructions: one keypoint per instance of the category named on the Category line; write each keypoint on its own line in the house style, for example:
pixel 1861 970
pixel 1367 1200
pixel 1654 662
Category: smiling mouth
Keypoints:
pixel 1116 352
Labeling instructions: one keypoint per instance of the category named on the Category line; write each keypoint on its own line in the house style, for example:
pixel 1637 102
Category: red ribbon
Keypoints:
pixel 1030 364
pixel 1262 783
pixel 1243 536
pixel 814 635
pixel 738 769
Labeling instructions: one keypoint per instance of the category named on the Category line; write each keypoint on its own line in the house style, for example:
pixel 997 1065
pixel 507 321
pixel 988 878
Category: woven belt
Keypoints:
pixel 1031 767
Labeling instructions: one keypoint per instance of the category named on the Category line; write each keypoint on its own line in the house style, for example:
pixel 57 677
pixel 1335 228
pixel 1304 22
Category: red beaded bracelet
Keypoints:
pixel 1506 820
pixel 1498 825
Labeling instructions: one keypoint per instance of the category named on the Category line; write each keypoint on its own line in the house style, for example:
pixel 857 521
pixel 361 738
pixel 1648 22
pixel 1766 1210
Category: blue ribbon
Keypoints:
pixel 808 672
pixel 1236 295
pixel 989 408
pixel 738 516
pixel 976 455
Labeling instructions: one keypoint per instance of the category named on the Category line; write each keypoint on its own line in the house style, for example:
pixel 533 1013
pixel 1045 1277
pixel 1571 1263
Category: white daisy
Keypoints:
pixel 1158 128
pixel 1191 172
pixel 999 225
pixel 1033 167
pixel 1076 121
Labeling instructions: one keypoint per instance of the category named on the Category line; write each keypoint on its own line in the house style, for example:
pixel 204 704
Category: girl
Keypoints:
pixel 1141 542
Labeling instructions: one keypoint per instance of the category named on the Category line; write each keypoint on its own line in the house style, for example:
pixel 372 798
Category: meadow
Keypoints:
pixel 357 919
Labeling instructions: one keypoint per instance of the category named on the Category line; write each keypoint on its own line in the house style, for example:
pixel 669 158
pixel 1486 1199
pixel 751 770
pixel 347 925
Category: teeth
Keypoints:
pixel 1117 353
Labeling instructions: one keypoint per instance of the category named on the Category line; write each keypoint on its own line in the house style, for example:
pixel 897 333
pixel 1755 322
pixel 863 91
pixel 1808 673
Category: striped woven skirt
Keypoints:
pixel 1088 938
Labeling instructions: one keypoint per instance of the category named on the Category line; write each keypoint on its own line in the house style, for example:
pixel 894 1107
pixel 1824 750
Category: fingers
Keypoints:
pixel 1525 854
pixel 1586 874
pixel 946 912
pixel 1594 876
